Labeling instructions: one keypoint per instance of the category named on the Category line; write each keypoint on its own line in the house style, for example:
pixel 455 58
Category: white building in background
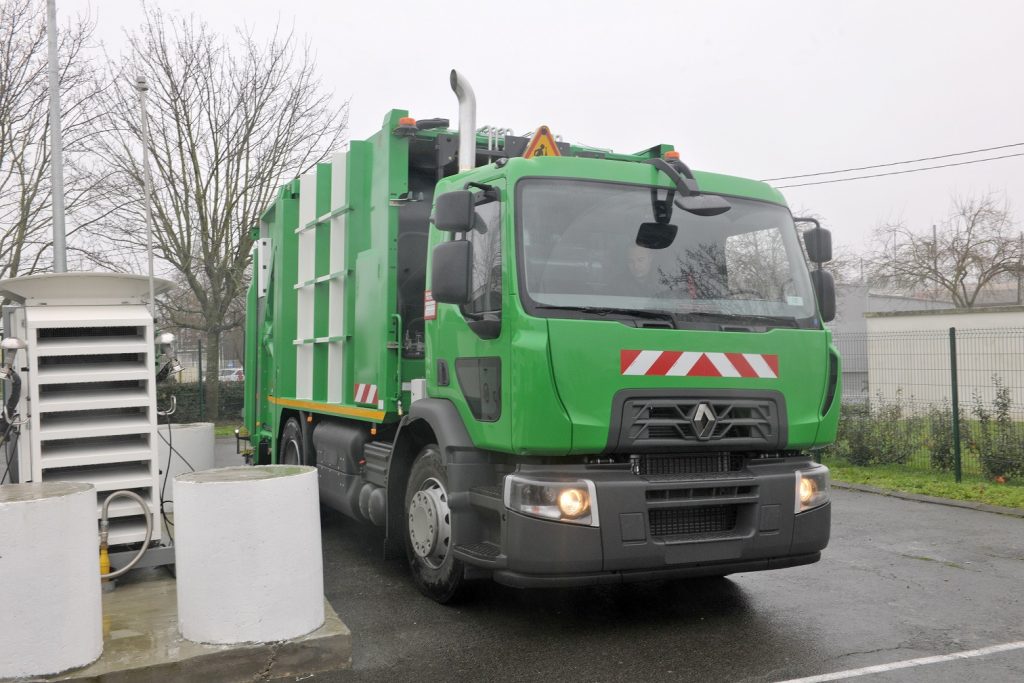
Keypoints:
pixel 907 354
pixel 850 328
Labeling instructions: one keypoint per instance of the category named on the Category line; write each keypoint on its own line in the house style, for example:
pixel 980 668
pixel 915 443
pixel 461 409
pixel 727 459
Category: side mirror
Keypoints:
pixel 455 211
pixel 818 241
pixel 656 235
pixel 450 272
pixel 704 204
pixel 825 291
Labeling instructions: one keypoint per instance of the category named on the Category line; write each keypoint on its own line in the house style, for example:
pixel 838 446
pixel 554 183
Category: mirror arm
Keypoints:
pixel 807 220
pixel 489 193
pixel 686 186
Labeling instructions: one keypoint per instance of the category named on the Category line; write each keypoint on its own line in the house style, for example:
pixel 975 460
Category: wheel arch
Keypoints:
pixel 430 420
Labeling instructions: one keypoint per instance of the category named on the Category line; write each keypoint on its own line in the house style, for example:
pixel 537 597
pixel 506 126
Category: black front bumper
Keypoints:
pixel 517 580
pixel 721 524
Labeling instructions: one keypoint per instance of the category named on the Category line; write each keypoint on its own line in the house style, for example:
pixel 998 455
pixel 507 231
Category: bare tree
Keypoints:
pixel 230 120
pixel 975 246
pixel 25 200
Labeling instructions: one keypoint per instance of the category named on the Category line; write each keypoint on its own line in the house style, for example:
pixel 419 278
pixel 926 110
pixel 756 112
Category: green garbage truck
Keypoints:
pixel 545 363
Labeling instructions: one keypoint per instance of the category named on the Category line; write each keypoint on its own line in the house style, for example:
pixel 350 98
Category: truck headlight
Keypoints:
pixel 812 489
pixel 574 502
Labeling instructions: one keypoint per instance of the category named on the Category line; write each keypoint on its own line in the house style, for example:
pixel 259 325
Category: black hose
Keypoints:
pixel 12 401
pixel 7 426
pixel 9 440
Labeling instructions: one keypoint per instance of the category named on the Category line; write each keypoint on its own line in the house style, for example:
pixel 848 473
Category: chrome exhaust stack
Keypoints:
pixel 467 121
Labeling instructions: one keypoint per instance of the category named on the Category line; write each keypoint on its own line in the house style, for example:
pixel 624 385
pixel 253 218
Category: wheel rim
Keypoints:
pixel 290 454
pixel 430 527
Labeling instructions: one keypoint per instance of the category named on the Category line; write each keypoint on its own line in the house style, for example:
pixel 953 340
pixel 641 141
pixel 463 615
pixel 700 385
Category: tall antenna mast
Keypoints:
pixel 60 263
pixel 147 179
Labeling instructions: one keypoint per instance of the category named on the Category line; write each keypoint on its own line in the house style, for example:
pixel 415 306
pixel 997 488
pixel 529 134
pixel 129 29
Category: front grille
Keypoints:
pixel 661 465
pixel 699 492
pixel 692 520
pixel 730 423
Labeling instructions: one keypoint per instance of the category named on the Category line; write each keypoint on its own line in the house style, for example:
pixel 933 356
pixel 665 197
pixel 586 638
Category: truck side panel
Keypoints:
pixel 332 235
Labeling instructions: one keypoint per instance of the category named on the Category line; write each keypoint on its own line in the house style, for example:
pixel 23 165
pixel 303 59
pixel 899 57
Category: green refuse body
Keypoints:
pixel 586 368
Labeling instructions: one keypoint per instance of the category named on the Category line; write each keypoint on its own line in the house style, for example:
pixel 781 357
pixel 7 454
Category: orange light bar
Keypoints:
pixel 407 121
pixel 672 154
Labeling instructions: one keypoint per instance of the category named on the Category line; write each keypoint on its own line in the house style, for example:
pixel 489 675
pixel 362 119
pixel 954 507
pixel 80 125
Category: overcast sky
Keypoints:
pixel 757 89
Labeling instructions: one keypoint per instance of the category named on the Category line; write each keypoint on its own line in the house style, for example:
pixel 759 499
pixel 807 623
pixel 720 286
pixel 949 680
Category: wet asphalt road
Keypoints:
pixel 900 580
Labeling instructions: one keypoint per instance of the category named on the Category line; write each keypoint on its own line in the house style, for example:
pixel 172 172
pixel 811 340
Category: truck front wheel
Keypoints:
pixel 428 536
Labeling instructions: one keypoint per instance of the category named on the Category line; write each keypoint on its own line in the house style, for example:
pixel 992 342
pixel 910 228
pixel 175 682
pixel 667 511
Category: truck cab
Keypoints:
pixel 587 367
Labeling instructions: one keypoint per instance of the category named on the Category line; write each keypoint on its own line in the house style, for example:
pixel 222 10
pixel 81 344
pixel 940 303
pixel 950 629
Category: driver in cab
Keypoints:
pixel 643 277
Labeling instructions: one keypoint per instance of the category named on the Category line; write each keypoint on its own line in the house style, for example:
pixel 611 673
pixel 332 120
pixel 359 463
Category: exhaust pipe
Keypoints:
pixel 467 121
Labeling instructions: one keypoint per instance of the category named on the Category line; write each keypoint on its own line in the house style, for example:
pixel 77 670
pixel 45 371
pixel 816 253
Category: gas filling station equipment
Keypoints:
pixel 81 363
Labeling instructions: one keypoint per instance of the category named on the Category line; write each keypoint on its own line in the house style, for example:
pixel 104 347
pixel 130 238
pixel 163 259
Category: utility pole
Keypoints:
pixel 60 263
pixel 1020 255
pixel 147 180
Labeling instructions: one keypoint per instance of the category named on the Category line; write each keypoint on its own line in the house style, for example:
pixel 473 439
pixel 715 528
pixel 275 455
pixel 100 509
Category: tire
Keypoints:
pixel 289 447
pixel 435 571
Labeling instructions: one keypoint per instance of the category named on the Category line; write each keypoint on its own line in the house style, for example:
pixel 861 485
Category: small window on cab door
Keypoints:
pixel 486 276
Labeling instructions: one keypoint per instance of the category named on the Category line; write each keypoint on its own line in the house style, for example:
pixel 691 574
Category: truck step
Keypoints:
pixel 377 455
pixel 484 553
pixel 487 497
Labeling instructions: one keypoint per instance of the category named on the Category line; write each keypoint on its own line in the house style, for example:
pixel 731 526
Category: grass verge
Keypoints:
pixel 930 483
pixel 222 429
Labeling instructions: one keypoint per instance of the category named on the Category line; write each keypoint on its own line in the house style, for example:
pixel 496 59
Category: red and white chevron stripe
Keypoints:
pixel 699 364
pixel 366 393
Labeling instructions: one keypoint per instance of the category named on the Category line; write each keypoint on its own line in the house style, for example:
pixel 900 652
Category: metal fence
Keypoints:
pixel 942 401
pixel 189 388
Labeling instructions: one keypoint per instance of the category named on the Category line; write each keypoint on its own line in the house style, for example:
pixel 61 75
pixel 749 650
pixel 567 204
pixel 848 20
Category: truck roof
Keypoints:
pixel 584 161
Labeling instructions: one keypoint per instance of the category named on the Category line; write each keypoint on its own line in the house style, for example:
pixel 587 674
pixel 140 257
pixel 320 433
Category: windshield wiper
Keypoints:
pixel 786 320
pixel 605 310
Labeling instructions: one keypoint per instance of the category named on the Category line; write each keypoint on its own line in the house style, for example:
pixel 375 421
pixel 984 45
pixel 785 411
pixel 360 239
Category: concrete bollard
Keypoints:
pixel 247 549
pixel 194 441
pixel 51 615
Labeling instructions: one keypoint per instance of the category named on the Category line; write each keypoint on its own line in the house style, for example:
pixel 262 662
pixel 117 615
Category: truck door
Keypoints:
pixel 473 338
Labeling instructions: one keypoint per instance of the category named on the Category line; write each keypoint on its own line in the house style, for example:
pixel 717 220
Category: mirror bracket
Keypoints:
pixel 489 193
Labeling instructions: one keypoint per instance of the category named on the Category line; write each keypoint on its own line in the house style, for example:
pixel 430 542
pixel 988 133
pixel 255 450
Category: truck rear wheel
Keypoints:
pixel 428 535
pixel 289 448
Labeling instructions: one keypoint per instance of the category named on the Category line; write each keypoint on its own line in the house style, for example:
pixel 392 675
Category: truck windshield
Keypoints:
pixel 583 249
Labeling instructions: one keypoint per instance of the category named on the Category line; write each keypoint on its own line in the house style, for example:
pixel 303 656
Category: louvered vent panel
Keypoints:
pixel 93 416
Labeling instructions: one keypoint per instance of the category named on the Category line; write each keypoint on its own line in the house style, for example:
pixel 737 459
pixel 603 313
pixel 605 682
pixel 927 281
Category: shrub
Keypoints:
pixel 1001 455
pixel 940 436
pixel 875 434
pixel 890 439
pixel 854 430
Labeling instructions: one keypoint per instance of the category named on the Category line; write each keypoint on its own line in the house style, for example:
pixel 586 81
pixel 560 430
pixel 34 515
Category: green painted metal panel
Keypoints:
pixel 557 375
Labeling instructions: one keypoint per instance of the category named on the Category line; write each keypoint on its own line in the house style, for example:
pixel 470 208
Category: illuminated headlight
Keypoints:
pixel 574 502
pixel 812 488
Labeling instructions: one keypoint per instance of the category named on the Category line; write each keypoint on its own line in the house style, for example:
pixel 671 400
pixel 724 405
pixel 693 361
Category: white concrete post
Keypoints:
pixel 51 618
pixel 247 549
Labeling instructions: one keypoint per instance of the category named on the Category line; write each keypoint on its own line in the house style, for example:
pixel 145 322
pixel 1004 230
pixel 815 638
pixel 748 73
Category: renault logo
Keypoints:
pixel 704 420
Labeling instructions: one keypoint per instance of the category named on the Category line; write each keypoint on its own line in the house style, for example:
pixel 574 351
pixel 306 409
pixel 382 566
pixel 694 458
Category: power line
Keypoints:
pixel 896 163
pixel 911 170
